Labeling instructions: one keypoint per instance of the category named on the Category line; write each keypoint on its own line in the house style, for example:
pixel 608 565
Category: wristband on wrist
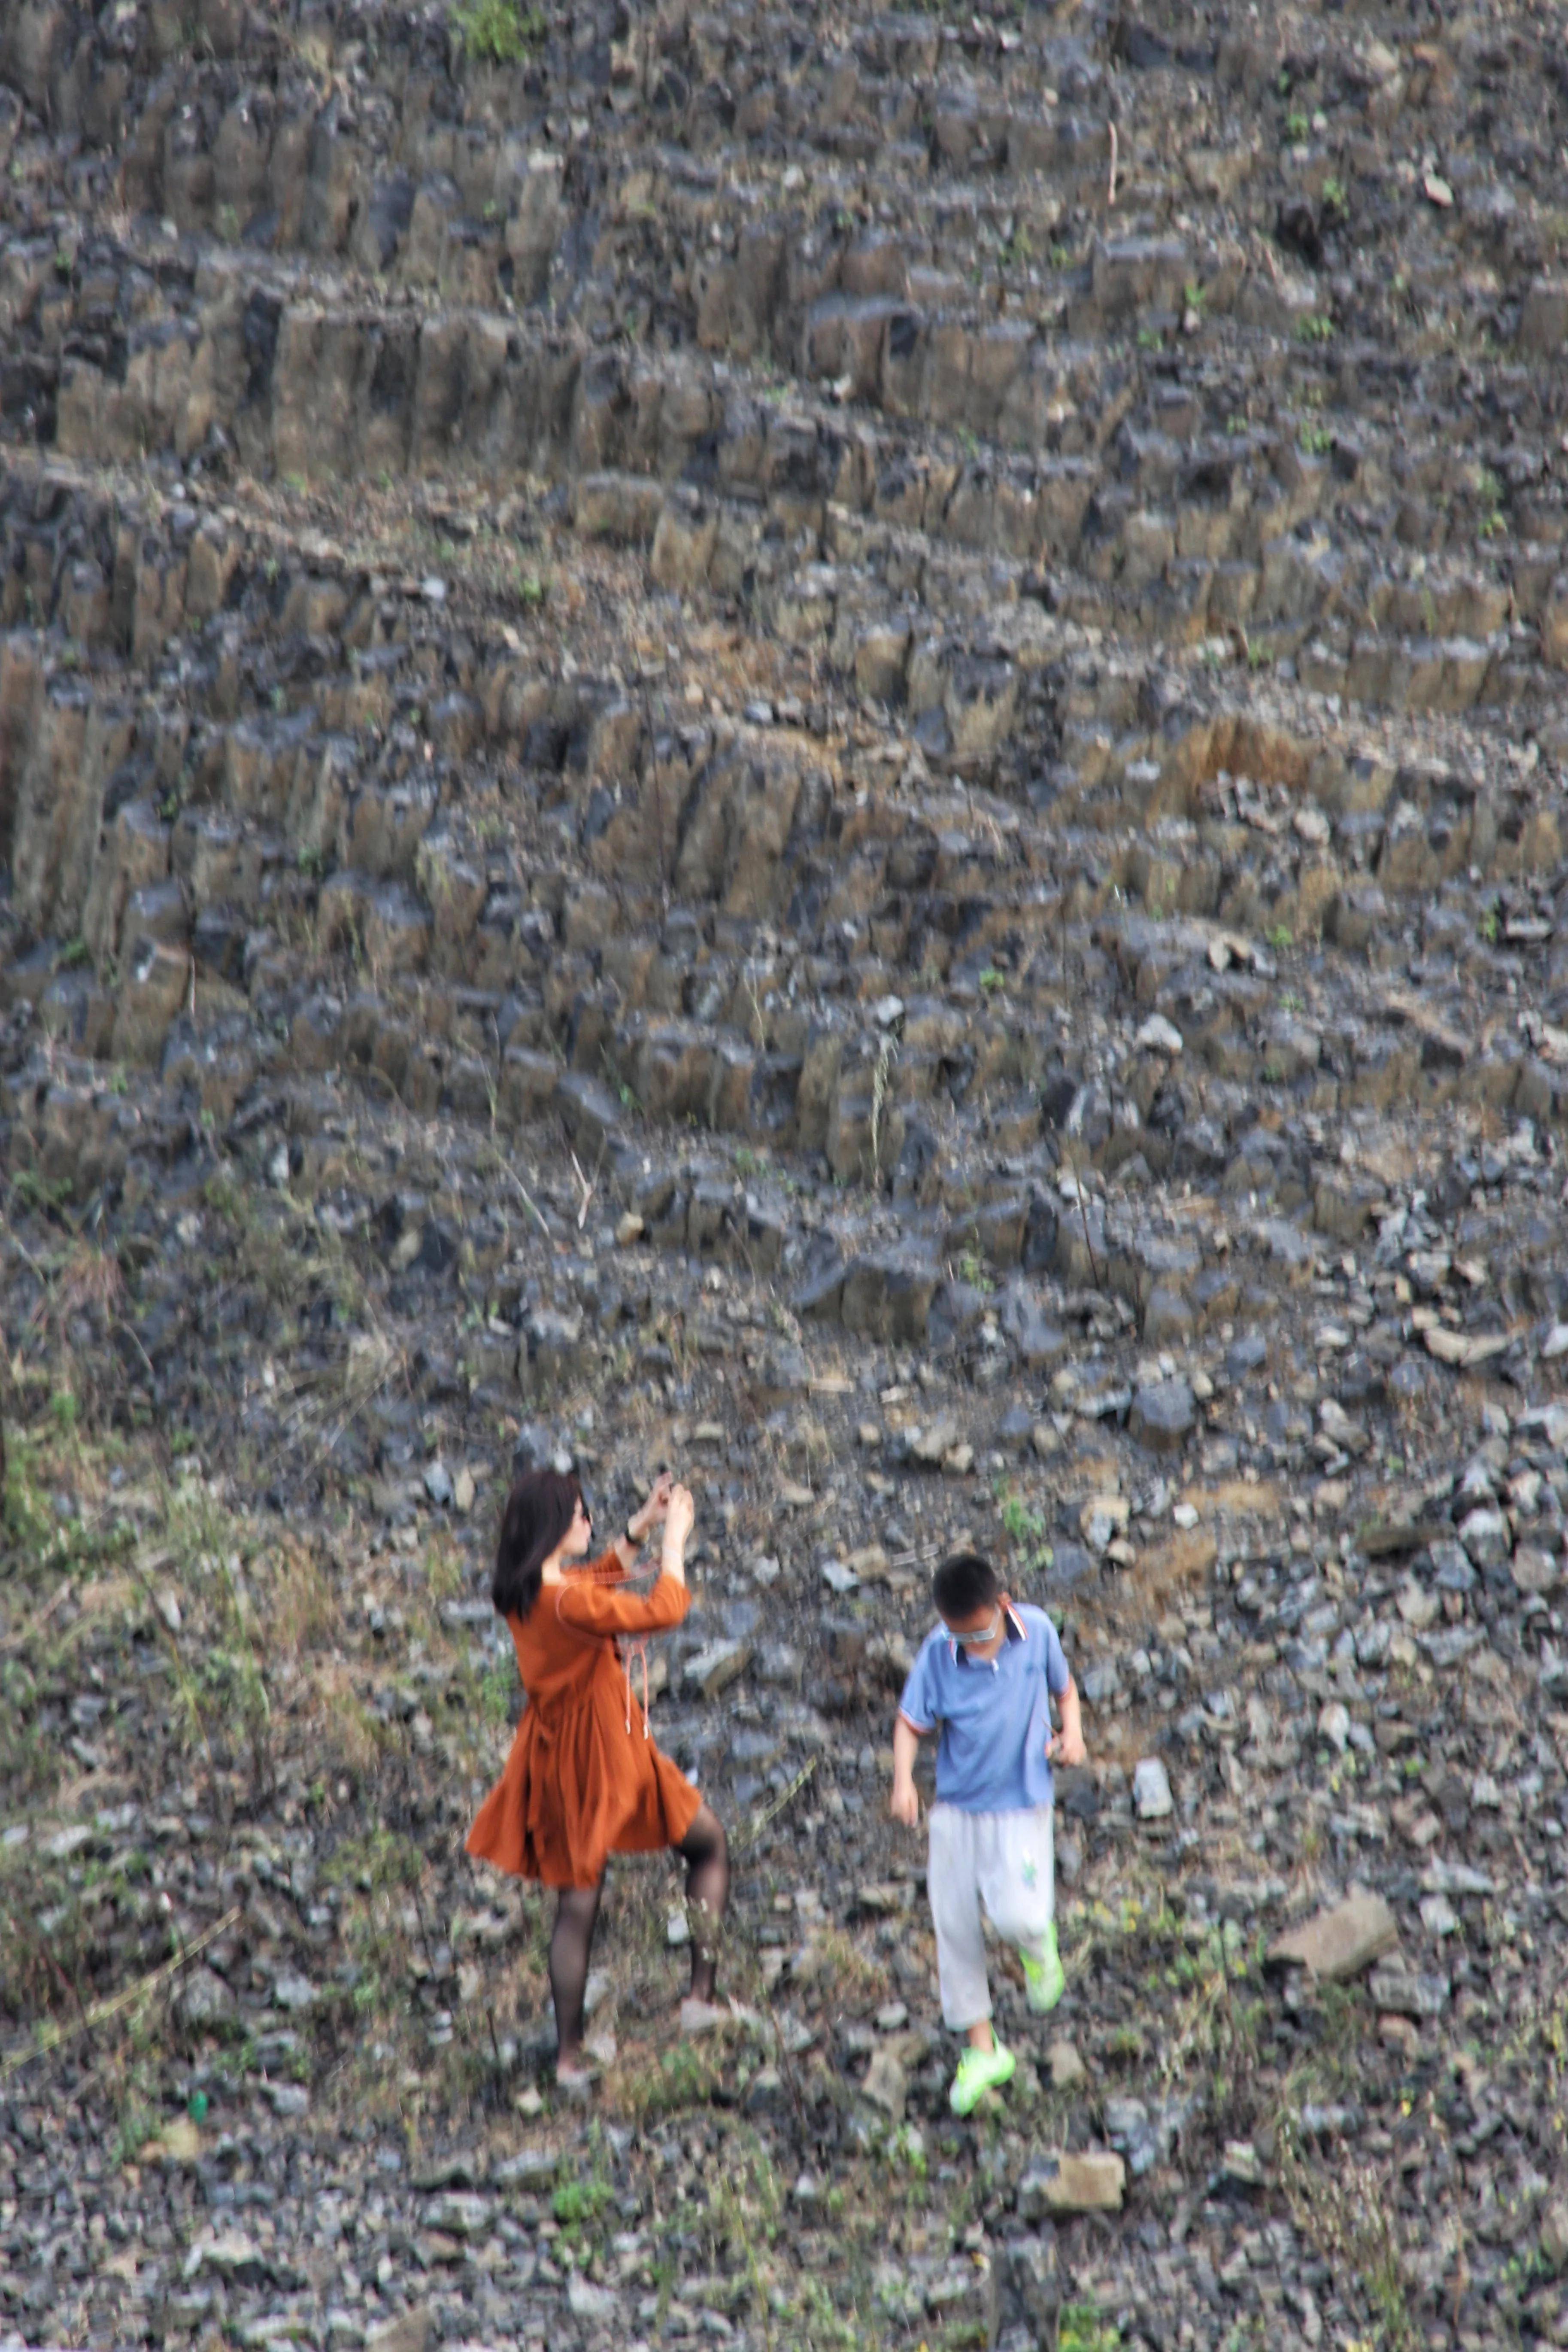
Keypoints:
pixel 634 1540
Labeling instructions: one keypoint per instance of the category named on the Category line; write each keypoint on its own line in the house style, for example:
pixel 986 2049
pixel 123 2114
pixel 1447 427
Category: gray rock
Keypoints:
pixel 204 2004
pixel 1152 1799
pixel 886 2084
pixel 1101 1683
pixel 716 1666
pixel 1164 1416
pixel 461 2214
pixel 1405 1994
pixel 1486 1538
pixel 585 2301
pixel 932 1445
pixel 1028 2287
pixel 1536 1571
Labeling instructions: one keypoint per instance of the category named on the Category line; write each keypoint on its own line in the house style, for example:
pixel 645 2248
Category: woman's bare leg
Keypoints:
pixel 706 1857
pixel 571 1943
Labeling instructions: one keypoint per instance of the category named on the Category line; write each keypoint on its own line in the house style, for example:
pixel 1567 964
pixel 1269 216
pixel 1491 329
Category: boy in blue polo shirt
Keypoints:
pixel 986 1675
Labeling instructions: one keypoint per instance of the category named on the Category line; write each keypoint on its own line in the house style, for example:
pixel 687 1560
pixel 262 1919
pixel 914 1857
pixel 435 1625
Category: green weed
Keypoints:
pixel 499 31
pixel 1084 2328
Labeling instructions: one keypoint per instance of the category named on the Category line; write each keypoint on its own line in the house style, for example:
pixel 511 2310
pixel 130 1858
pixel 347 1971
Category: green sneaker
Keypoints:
pixel 979 2071
pixel 1045 1981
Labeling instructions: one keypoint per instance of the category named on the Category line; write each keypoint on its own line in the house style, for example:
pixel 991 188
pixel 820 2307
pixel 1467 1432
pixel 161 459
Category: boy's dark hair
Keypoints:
pixel 964 1584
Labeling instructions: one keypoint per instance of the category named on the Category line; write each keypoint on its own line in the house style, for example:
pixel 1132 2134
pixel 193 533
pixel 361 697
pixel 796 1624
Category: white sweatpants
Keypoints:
pixel 1004 1860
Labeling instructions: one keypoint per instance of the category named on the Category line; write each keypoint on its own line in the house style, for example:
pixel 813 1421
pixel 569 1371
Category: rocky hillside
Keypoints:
pixel 831 748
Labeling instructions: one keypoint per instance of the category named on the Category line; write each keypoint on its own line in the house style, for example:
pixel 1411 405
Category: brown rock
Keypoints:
pixel 1091 2182
pixel 1337 1944
pixel 412 2331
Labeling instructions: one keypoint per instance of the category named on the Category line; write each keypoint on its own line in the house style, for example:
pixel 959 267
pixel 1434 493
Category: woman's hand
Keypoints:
pixel 679 1517
pixel 653 1510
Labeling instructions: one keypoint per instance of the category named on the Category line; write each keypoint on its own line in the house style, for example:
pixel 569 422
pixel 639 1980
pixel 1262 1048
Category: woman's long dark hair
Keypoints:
pixel 538 1513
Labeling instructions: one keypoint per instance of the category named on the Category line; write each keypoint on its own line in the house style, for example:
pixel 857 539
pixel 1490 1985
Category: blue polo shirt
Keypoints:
pixel 994 1713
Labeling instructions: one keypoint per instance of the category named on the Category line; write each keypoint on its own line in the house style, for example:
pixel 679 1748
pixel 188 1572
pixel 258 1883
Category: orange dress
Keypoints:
pixel 584 1779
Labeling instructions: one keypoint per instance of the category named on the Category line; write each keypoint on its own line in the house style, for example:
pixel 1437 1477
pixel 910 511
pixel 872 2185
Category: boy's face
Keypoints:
pixel 983 1632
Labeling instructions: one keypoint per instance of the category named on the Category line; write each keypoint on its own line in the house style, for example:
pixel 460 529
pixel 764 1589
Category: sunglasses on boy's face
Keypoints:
pixel 986 1633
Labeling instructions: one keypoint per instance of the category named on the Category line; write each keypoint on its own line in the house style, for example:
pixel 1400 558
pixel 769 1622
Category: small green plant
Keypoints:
pixel 577 2204
pixel 973 1270
pixel 1335 200
pixel 1345 2211
pixel 992 981
pixel 1149 339
pixel 1489 926
pixel 1194 294
pixel 48 1193
pixel 531 591
pixel 1317 440
pixel 1059 256
pixel 1025 1530
pixel 1316 328
pixel 1280 936
pixel 1296 126
pixel 1081 2328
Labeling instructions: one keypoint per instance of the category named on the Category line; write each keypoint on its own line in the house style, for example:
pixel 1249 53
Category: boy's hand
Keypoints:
pixel 905 1805
pixel 1067 1746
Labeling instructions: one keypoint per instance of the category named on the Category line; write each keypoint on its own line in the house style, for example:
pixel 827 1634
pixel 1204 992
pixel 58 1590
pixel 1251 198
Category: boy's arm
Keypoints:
pixel 905 1805
pixel 1067 1748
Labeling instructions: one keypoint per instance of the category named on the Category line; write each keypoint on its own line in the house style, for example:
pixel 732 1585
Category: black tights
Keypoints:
pixel 706 1857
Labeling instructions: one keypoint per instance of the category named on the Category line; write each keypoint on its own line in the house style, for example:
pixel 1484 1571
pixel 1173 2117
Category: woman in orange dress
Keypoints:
pixel 584 1779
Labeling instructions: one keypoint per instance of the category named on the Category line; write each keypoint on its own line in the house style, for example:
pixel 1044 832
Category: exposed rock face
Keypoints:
pixel 833 749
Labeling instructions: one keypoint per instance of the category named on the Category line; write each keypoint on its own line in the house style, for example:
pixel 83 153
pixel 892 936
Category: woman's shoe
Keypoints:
pixel 979 2071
